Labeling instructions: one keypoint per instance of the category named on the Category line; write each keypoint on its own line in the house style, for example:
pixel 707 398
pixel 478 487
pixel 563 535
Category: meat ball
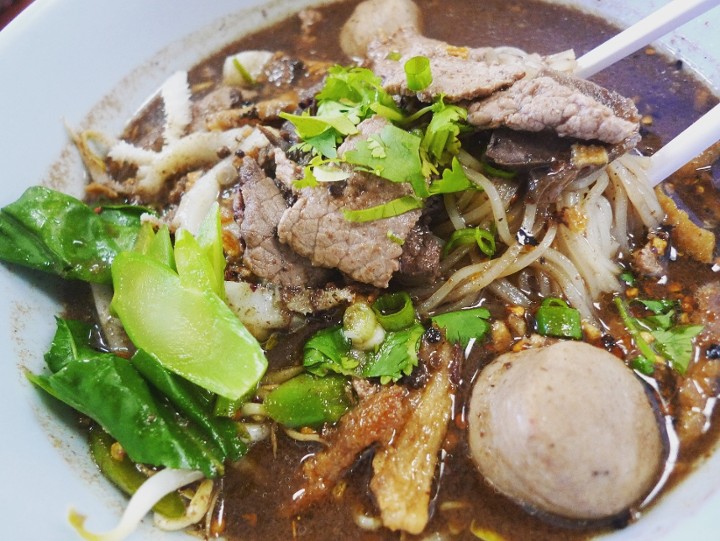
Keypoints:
pixel 566 429
pixel 374 19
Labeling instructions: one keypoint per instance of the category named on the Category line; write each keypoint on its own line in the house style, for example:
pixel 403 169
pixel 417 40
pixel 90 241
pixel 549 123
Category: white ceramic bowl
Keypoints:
pixel 92 64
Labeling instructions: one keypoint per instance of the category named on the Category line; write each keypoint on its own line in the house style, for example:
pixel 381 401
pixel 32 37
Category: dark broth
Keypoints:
pixel 256 492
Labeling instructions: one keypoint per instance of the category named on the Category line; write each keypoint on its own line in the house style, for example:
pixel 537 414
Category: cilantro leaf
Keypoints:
pixel 453 180
pixel 661 306
pixel 676 344
pixel 397 355
pixel 462 325
pixel 440 140
pixel 328 351
pixel 393 154
pixel 673 342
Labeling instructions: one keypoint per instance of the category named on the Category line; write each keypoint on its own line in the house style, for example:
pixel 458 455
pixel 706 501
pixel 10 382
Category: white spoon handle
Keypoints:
pixel 686 146
pixel 650 28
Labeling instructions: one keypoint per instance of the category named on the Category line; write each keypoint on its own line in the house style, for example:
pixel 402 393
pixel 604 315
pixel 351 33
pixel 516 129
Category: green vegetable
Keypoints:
pixel 362 327
pixel 441 141
pixel 156 245
pixel 453 180
pixel 394 311
pixel 643 365
pixel 245 74
pixel 108 389
pixel 189 401
pixel 676 344
pixel 190 330
pixel 395 207
pixel 495 172
pixel 556 318
pixel 393 154
pixel 671 341
pixel 328 351
pixel 308 400
pixel 628 278
pixel 349 96
pixel 56 233
pixel 635 332
pixel 125 475
pixel 70 342
pixel 418 73
pixel 462 325
pixel 397 355
pixel 428 148
pixel 471 235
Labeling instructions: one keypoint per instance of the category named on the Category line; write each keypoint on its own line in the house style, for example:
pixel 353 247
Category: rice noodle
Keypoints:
pixel 479 275
pixel 504 290
pixel 578 257
pixel 563 272
pixel 496 203
pixel 631 173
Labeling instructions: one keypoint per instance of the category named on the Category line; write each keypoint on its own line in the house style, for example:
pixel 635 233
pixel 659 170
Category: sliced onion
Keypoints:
pixel 151 491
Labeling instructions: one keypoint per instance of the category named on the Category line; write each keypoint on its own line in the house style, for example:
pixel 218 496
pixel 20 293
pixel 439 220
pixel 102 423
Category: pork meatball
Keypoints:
pixel 566 429
pixel 375 19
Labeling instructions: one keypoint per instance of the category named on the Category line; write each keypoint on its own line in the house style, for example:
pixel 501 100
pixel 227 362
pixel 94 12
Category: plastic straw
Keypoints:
pixel 686 146
pixel 650 28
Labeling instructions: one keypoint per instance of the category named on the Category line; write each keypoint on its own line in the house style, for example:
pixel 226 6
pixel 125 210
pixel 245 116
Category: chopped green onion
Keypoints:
pixel 394 238
pixel 643 365
pixel 245 74
pixel 394 56
pixel 499 173
pixel 394 311
pixel 396 207
pixel 362 327
pixel 484 239
pixel 417 71
pixel 635 332
pixel 628 278
pixel 556 318
pixel 462 325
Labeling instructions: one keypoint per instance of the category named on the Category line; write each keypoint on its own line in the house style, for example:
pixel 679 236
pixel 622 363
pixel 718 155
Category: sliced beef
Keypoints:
pixel 459 73
pixel 420 259
pixel 286 170
pixel 264 255
pixel 367 252
pixel 524 151
pixel 554 102
pixel 522 94
pixel 316 228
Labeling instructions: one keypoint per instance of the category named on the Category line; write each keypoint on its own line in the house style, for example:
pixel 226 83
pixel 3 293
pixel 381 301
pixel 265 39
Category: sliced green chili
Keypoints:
pixel 123 473
pixel 394 311
pixel 556 318
pixel 308 400
pixel 417 71
pixel 484 239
